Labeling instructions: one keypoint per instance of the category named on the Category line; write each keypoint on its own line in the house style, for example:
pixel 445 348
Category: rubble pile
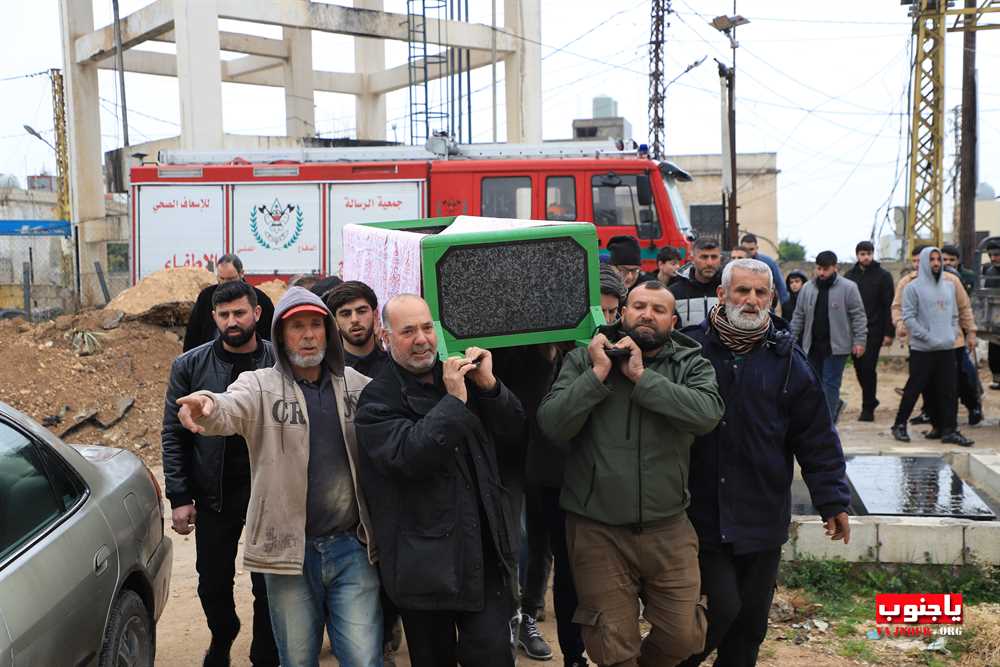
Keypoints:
pixel 164 297
pixel 97 377
pixel 274 289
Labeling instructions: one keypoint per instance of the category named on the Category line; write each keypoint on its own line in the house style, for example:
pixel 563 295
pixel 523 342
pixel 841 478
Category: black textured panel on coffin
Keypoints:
pixel 499 289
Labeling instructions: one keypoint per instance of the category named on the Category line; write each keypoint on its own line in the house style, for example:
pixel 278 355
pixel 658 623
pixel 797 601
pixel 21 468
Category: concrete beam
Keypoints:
pixel 139 26
pixel 361 22
pixel 232 69
pixel 523 72
pixel 83 127
pixel 199 73
pixel 240 43
pixel 398 78
pixel 145 62
pixel 300 109
pixel 165 64
pixel 369 59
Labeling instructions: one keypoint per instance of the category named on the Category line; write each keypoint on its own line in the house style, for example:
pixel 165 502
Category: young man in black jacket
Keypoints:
pixel 208 479
pixel 201 325
pixel 877 291
pixel 741 472
pixel 354 307
pixel 428 435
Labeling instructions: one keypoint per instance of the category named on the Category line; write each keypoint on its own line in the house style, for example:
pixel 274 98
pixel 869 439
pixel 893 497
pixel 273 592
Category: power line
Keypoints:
pixel 32 75
pixel 821 21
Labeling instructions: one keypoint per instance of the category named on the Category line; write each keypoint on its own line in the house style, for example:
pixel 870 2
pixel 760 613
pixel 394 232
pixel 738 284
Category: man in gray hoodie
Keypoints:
pixel 830 323
pixel 930 311
pixel 307 527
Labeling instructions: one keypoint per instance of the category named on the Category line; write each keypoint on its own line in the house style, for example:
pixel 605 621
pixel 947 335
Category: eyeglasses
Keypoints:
pixel 628 270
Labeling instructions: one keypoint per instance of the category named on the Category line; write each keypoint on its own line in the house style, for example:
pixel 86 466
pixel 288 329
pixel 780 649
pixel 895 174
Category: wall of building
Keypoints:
pixel 757 191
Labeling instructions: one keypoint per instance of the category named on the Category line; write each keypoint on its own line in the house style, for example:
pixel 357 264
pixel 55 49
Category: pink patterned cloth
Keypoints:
pixel 386 260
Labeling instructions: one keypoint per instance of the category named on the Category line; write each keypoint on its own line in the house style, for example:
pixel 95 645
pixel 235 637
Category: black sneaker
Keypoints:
pixel 956 438
pixel 899 432
pixel 866 416
pixel 975 416
pixel 531 640
pixel 933 434
pixel 922 418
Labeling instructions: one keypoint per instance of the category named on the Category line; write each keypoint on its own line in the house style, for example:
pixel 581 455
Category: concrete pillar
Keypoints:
pixel 369 56
pixel 83 128
pixel 523 71
pixel 199 73
pixel 300 109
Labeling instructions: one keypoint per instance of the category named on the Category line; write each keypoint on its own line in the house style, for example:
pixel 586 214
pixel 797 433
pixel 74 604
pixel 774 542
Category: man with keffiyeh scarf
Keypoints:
pixel 741 472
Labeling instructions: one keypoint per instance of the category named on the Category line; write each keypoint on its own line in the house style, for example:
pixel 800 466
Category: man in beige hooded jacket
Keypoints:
pixel 307 524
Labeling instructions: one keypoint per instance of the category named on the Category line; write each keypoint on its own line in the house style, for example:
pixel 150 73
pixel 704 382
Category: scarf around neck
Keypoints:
pixel 738 341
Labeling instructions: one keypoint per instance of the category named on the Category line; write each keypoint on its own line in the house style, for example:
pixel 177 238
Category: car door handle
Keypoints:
pixel 101 560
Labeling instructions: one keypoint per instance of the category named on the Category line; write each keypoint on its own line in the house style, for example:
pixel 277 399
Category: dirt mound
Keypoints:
pixel 164 297
pixel 111 386
pixel 274 289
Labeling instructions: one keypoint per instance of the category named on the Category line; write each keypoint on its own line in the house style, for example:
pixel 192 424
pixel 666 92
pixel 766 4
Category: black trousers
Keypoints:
pixel 739 589
pixel 935 374
pixel 563 589
pixel 536 554
pixel 866 370
pixel 216 539
pixel 483 637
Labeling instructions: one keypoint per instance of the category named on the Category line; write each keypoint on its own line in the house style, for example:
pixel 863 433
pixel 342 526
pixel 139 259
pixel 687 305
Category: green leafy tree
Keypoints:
pixel 791 251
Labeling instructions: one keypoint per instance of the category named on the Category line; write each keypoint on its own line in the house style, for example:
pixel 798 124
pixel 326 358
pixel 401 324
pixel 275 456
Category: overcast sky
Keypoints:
pixel 823 88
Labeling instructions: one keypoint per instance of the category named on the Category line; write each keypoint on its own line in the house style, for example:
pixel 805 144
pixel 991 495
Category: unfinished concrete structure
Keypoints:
pixel 193 25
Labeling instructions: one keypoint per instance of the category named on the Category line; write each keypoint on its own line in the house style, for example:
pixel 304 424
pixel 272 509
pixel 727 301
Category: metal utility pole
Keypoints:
pixel 493 65
pixel 657 90
pixel 727 25
pixel 966 231
pixel 120 66
pixel 926 178
pixel 62 145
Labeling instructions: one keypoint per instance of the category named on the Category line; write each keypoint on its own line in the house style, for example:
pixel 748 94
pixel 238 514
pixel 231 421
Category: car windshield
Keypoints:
pixel 677 205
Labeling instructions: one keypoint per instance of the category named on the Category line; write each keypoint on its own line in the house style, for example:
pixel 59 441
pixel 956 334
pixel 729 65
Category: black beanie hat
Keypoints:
pixel 625 251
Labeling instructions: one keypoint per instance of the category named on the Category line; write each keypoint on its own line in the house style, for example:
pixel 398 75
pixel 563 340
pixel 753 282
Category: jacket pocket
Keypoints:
pixel 426 565
pixel 432 507
pixel 685 493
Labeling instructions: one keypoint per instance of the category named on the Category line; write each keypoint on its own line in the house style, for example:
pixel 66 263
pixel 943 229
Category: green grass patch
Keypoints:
pixel 831 581
pixel 858 649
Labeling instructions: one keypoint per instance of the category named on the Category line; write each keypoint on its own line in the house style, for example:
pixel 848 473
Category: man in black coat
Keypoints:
pixel 208 478
pixel 991 278
pixel 201 325
pixel 741 473
pixel 877 291
pixel 428 434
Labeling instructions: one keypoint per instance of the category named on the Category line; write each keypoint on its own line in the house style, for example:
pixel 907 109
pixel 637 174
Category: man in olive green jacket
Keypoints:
pixel 630 424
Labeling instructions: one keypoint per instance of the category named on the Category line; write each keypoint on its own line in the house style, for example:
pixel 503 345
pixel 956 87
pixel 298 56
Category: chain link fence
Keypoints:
pixel 36 276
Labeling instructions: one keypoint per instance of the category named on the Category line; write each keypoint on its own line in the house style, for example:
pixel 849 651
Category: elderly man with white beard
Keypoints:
pixel 741 473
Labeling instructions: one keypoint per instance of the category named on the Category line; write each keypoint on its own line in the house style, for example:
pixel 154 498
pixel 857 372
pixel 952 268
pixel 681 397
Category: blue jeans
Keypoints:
pixel 830 368
pixel 339 587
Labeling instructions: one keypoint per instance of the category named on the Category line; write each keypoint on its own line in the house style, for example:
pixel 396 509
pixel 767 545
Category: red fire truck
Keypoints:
pixel 283 211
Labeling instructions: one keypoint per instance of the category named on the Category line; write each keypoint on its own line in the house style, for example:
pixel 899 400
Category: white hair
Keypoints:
pixel 747 264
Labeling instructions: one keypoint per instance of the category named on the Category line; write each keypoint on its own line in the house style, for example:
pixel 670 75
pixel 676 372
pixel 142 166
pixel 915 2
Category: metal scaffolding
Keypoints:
pixel 927 133
pixel 657 88
pixel 446 107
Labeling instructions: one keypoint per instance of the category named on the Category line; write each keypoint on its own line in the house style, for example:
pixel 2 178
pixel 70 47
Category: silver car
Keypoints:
pixel 84 564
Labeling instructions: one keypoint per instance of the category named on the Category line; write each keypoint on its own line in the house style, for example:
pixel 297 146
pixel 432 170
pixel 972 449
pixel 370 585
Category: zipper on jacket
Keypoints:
pixel 639 465
pixel 628 421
